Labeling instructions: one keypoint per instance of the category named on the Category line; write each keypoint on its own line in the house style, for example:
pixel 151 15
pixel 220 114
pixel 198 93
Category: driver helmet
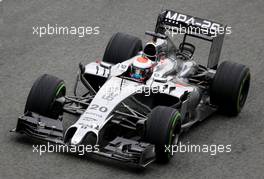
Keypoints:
pixel 141 68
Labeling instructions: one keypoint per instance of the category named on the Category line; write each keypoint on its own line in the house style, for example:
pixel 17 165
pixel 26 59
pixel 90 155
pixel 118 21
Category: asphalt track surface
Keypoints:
pixel 24 56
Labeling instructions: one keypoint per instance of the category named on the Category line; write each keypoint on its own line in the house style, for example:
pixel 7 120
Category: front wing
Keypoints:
pixel 121 149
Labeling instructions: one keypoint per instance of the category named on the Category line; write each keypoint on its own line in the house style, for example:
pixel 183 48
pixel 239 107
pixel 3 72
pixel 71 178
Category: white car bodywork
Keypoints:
pixel 116 89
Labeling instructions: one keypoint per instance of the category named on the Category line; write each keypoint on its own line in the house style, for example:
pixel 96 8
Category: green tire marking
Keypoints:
pixel 172 127
pixel 61 86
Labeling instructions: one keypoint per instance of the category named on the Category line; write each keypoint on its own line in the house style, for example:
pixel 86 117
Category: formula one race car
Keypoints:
pixel 136 101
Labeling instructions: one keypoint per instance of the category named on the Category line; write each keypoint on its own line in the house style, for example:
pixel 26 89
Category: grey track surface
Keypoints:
pixel 23 57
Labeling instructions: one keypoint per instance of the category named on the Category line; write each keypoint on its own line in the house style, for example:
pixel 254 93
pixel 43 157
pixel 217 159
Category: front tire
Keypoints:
pixel 230 87
pixel 43 94
pixel 163 130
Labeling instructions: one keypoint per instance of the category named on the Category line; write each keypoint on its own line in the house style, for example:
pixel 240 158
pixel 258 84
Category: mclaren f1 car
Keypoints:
pixel 138 99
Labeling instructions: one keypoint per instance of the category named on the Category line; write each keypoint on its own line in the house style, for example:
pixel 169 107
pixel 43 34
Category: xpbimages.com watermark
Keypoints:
pixel 212 149
pixel 79 31
pixel 58 148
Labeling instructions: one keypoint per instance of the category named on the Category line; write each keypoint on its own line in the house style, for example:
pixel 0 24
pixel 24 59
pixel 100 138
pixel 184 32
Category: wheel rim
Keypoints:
pixel 175 139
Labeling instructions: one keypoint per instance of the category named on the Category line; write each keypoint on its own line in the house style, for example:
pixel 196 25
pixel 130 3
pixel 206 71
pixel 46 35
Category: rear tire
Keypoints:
pixel 230 87
pixel 163 129
pixel 121 47
pixel 41 99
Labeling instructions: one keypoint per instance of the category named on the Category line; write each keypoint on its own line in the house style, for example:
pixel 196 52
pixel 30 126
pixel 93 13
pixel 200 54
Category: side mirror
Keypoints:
pixel 105 65
pixel 160 79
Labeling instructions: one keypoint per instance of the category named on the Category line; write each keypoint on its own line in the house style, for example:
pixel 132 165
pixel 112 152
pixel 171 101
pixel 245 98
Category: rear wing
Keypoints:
pixel 196 27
